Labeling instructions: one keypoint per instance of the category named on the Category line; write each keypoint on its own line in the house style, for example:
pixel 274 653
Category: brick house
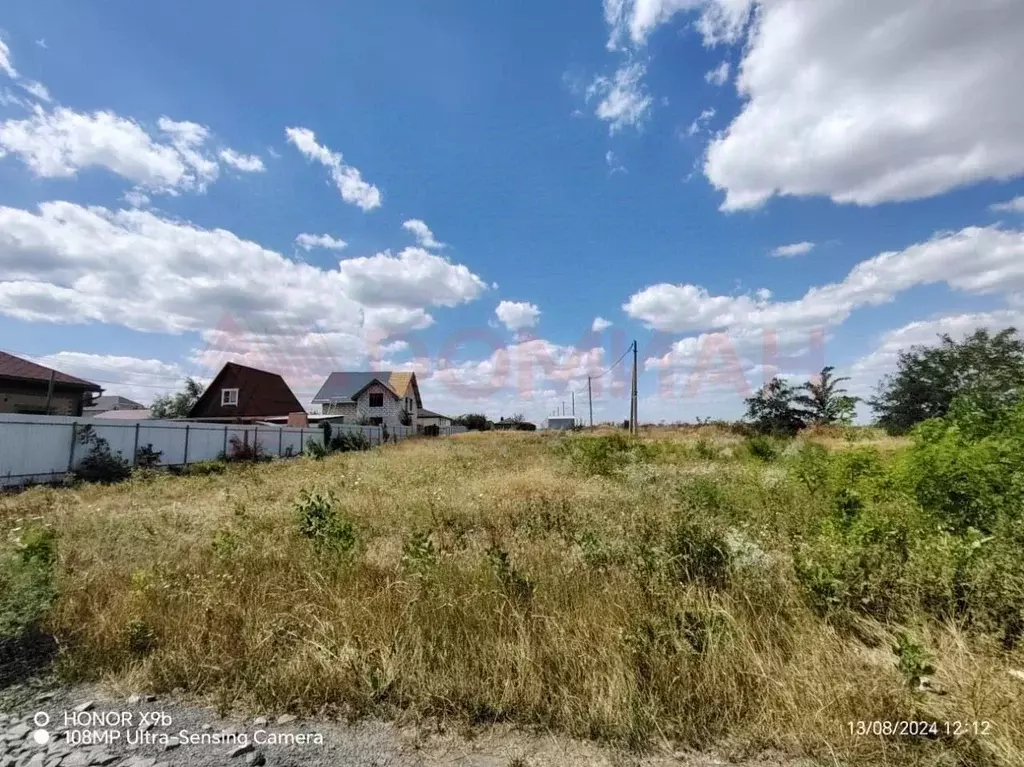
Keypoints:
pixel 25 388
pixel 240 394
pixel 378 398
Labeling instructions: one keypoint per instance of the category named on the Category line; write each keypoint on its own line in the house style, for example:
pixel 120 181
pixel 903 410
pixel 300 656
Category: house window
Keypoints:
pixel 228 397
pixel 376 420
pixel 377 399
pixel 408 404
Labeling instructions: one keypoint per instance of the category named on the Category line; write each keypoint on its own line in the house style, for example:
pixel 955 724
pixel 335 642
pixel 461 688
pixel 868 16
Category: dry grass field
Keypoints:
pixel 688 588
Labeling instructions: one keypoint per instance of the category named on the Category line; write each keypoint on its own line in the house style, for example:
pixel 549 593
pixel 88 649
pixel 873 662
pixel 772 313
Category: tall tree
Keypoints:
pixel 177 405
pixel 772 410
pixel 824 401
pixel 988 369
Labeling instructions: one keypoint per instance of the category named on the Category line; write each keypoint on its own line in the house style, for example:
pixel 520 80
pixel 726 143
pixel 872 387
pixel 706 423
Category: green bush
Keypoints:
pixel 699 552
pixel 706 449
pixel 99 464
pixel 26 578
pixel 320 522
pixel 146 457
pixel 316 450
pixel 205 468
pixel 871 563
pixel 912 660
pixel 763 447
pixel 605 455
pixel 812 464
pixel 345 442
pixel 418 552
pixel 967 476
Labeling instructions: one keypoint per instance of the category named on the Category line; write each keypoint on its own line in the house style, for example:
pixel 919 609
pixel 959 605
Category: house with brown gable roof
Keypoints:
pixel 241 394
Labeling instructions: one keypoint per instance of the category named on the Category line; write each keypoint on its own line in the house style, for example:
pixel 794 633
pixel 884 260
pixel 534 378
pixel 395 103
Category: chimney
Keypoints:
pixel 298 420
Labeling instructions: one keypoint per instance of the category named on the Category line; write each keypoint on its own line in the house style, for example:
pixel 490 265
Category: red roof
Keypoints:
pixel 16 367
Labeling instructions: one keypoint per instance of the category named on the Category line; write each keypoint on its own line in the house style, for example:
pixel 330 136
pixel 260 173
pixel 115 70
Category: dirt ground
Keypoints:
pixel 79 714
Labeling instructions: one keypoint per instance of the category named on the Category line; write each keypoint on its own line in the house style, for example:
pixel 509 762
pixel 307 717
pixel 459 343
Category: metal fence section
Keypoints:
pixel 35 448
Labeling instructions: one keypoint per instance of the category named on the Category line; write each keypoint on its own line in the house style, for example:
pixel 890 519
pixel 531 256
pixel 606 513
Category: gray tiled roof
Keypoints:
pixel 424 413
pixel 114 401
pixel 343 386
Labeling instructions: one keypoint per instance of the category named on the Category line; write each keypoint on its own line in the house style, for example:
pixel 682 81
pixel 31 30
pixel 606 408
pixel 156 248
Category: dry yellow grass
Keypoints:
pixel 489 582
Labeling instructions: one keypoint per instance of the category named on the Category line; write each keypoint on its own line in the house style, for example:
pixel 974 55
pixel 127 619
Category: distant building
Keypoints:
pixel 241 394
pixel 25 388
pixel 429 418
pixel 562 422
pixel 124 415
pixel 110 403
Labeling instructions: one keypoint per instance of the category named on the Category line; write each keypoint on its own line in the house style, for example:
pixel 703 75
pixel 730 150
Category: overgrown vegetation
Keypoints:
pixel 99 464
pixel 241 450
pixel 343 441
pixel 26 577
pixel 703 587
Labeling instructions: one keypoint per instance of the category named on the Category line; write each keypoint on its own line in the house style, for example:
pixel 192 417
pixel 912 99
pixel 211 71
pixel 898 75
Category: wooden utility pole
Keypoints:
pixel 590 400
pixel 634 426
pixel 49 392
pixel 573 404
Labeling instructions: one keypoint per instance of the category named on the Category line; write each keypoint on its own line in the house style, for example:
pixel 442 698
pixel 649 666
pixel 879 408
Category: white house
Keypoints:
pixel 377 398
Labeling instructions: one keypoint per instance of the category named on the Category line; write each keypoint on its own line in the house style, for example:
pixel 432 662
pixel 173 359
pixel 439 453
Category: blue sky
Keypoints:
pixel 160 162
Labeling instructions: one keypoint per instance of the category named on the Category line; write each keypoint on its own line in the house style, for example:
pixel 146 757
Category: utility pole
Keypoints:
pixel 49 392
pixel 590 399
pixel 633 415
pixel 573 404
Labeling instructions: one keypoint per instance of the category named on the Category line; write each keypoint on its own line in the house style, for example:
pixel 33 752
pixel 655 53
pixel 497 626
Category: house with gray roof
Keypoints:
pixel 110 403
pixel 380 398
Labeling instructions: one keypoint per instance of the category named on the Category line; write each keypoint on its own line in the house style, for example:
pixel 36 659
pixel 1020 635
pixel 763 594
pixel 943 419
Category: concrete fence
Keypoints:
pixel 36 448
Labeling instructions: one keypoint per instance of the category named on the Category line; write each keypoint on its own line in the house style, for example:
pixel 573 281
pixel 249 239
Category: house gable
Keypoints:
pixel 255 394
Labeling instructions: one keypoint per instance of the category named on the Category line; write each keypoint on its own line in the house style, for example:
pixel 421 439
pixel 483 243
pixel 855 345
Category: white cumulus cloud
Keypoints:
pixel 872 102
pixel 423 235
pixel 62 142
pixel 600 324
pixel 309 241
pixel 719 75
pixel 796 249
pixel 68 263
pixel 975 260
pixel 1016 205
pixel 517 315
pixel 247 163
pixel 348 180
pixel 622 99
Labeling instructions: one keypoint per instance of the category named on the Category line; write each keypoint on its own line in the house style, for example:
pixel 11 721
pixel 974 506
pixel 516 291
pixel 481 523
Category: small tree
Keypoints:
pixel 180 404
pixel 772 410
pixel 824 401
pixel 986 368
pixel 474 422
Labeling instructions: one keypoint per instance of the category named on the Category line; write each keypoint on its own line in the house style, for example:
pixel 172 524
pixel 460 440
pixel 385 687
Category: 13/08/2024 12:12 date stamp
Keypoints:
pixel 920 729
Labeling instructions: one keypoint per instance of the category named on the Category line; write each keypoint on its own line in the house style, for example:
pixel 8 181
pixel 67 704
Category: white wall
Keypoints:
pixel 36 448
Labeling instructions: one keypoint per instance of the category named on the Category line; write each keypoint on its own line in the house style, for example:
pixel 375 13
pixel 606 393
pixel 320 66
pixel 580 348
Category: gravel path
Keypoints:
pixel 87 729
